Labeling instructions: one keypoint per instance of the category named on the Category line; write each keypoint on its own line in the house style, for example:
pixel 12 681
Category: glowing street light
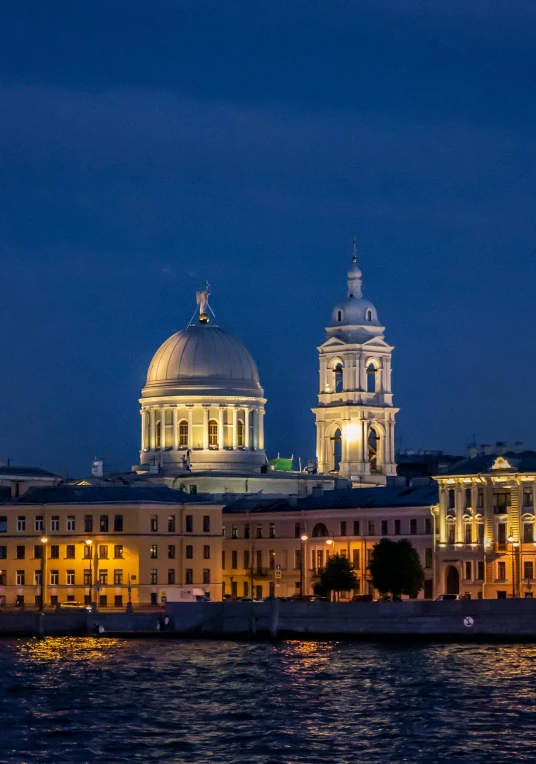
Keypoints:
pixel 303 539
pixel 44 541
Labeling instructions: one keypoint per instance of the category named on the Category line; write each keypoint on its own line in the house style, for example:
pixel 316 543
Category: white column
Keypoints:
pixel 190 427
pixel 175 429
pixel 246 428
pixel 221 440
pixel 143 430
pixel 163 441
pixel 261 431
pixel 153 429
pixel 205 427
pixel 235 428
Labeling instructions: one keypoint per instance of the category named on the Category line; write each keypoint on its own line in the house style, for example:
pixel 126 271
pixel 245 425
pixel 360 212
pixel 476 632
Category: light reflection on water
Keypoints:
pixel 107 700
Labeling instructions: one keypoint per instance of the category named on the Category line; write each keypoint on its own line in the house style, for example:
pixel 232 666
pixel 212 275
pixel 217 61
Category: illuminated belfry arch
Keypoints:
pixel 355 417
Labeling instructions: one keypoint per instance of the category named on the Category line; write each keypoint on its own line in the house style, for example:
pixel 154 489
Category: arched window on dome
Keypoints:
pixel 183 434
pixel 369 315
pixel 339 315
pixel 371 378
pixel 319 531
pixel 213 434
pixel 158 434
pixel 337 450
pixel 338 378
pixel 240 433
pixel 373 450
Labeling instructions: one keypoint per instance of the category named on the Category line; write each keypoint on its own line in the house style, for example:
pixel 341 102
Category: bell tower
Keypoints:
pixel 355 416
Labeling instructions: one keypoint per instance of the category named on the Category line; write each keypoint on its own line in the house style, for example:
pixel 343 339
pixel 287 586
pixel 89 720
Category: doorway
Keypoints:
pixel 452 580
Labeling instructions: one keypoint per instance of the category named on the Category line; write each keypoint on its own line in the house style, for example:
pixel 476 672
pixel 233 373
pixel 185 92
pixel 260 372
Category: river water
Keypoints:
pixel 107 700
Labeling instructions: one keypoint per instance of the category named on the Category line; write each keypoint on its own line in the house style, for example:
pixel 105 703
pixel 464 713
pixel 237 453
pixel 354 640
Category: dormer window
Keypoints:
pixel 339 315
pixel 369 315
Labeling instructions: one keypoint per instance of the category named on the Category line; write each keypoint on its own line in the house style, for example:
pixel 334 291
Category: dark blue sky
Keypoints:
pixel 147 146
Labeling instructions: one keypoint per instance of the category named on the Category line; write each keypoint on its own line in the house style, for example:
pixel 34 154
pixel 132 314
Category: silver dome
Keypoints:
pixel 203 360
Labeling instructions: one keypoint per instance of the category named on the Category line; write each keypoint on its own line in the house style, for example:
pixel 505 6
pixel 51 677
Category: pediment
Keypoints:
pixel 333 342
pixel 376 342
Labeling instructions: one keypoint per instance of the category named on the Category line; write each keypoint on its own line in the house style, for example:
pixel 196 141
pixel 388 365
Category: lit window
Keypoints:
pixel 212 433
pixel 183 435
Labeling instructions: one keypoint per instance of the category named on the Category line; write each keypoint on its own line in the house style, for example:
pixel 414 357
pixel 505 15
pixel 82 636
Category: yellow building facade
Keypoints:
pixel 279 547
pixel 486 544
pixel 108 545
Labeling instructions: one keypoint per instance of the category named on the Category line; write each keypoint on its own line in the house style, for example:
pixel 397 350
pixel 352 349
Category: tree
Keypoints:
pixel 338 575
pixel 395 568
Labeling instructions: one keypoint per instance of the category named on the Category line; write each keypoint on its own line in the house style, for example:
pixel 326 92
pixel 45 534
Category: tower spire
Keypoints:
pixel 354 250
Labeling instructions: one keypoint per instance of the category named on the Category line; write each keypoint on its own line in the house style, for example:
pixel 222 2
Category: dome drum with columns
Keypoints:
pixel 355 417
pixel 202 407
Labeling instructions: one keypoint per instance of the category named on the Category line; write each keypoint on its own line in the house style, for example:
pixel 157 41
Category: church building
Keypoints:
pixel 355 416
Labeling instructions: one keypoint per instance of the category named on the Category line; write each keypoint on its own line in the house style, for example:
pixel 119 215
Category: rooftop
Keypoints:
pixel 524 461
pixel 29 472
pixel 107 494
pixel 346 498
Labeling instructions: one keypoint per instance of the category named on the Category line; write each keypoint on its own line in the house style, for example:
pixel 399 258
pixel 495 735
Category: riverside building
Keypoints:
pixel 108 545
pixel 280 546
pixel 486 544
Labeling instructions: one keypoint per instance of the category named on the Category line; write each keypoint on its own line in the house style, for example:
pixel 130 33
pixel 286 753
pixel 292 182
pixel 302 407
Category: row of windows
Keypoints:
pixel 35 552
pixel 103 524
pixel 188 551
pixel 213 433
pixel 468 537
pixel 70 523
pixel 500 498
pixel 54 578
pixel 317 558
pixel 320 530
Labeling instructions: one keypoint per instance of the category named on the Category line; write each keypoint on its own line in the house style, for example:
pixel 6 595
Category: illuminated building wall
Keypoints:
pixel 259 537
pixel 485 543
pixel 146 536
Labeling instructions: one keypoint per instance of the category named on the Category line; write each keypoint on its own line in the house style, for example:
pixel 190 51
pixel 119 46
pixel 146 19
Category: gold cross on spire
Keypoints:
pixel 354 250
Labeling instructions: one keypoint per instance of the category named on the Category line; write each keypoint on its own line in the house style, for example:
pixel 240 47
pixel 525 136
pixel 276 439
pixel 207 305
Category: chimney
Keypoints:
pixel 486 450
pixel 518 447
pixel 317 490
pixel 472 451
pixel 97 468
pixel 500 448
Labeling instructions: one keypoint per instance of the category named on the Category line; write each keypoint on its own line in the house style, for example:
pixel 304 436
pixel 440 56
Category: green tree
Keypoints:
pixel 396 569
pixel 337 576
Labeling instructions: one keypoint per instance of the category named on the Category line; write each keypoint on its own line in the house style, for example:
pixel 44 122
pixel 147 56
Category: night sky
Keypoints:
pixel 148 146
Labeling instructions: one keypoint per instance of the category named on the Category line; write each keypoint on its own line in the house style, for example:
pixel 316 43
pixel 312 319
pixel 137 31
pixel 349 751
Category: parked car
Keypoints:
pixel 443 597
pixel 74 606
pixel 362 598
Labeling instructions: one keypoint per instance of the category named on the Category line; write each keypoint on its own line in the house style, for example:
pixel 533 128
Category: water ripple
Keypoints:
pixel 197 702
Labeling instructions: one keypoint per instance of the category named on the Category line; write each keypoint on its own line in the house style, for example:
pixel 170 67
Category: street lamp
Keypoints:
pixel 44 541
pixel 89 543
pixel 515 550
pixel 303 539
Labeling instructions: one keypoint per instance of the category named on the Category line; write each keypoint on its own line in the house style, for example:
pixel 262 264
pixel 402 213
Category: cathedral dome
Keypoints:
pixel 202 360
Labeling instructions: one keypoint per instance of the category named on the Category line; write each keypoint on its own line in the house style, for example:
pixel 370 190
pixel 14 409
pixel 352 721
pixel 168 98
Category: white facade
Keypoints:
pixel 355 417
pixel 202 407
